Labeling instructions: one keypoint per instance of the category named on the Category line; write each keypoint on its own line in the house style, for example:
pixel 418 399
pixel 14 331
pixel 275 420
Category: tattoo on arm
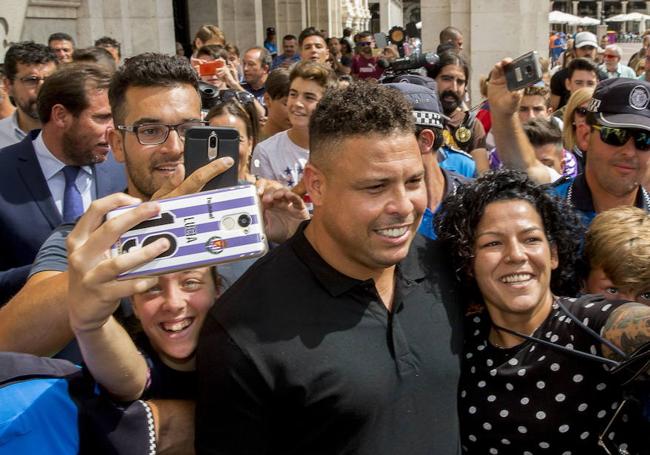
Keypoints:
pixel 628 327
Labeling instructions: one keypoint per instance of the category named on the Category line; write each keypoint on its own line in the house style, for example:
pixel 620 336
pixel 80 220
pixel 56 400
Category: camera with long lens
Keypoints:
pixel 406 65
pixel 209 95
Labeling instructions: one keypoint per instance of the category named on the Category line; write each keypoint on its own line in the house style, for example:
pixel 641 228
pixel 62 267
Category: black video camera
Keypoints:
pixel 412 62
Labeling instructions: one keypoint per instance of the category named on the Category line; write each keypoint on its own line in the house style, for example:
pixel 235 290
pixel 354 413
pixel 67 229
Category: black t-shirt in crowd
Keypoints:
pixel 165 382
pixel 558 88
pixel 298 358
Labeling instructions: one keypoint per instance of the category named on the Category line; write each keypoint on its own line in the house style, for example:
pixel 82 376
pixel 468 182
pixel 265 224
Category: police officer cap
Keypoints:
pixel 622 103
pixel 427 110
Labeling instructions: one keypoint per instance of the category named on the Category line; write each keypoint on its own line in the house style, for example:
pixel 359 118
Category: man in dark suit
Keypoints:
pixel 53 174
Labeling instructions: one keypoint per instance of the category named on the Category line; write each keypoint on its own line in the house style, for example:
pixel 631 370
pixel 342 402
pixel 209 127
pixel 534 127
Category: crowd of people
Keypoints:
pixel 441 279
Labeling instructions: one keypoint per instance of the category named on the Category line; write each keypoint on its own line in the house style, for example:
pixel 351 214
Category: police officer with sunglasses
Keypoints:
pixel 616 137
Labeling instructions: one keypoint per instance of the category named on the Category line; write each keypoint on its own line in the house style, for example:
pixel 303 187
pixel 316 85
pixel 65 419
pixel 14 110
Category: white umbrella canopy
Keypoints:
pixel 636 17
pixel 558 17
pixel 586 20
pixel 617 18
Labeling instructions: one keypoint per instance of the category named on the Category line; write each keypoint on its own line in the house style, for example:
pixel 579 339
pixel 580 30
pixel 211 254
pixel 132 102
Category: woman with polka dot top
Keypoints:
pixel 514 248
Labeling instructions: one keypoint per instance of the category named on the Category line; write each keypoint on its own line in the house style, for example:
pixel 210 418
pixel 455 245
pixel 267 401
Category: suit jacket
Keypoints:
pixel 27 211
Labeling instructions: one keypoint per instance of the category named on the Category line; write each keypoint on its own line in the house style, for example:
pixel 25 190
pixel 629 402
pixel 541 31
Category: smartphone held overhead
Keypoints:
pixel 202 229
pixel 523 71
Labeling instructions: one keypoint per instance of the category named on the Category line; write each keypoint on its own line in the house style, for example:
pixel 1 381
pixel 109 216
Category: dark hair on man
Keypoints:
pixel 148 70
pixel 314 71
pixel 289 37
pixel 309 31
pixel 69 87
pixel 277 84
pixel 59 36
pixel 450 57
pixel 231 48
pixel 213 50
pixel 364 34
pixel 97 55
pixel 461 213
pixel 448 34
pixel 27 53
pixel 246 112
pixel 581 64
pixel 265 57
pixel 347 31
pixel 541 131
pixel 107 41
pixel 360 109
pixel 536 90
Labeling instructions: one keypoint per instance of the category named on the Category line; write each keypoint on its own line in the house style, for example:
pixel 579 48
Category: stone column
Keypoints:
pixel 241 21
pixel 291 15
pixel 508 17
pixel 575 7
pixel 647 7
pixel 12 18
pixel 390 14
pixel 202 12
pixel 624 11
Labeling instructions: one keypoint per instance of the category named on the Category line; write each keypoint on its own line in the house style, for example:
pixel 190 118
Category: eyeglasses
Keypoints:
pixel 618 137
pixel 243 97
pixel 581 110
pixel 32 81
pixel 157 133
pixel 608 56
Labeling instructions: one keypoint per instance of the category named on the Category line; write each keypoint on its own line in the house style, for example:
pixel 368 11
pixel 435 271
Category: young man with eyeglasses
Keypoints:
pixel 26 66
pixel 616 137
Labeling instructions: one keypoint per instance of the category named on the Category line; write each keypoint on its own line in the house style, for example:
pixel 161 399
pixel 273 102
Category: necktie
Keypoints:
pixel 73 205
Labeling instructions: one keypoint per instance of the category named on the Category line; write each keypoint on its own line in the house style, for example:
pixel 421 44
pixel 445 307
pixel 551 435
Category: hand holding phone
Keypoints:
pixel 200 230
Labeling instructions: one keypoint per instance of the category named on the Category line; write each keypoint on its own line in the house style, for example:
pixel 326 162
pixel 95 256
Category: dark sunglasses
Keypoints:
pixel 581 110
pixel 618 137
pixel 363 43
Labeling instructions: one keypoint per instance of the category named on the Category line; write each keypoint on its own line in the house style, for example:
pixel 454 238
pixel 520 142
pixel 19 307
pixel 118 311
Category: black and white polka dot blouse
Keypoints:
pixel 532 399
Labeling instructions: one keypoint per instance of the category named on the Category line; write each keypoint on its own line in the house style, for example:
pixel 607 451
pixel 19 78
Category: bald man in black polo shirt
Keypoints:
pixel 346 338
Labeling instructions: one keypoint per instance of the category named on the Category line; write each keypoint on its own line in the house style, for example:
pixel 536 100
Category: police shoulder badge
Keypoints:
pixel 639 98
pixel 463 135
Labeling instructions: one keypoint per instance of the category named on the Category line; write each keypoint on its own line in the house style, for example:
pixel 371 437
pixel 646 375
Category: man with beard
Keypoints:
pixel 463 135
pixel 27 64
pixel 364 65
pixel 52 175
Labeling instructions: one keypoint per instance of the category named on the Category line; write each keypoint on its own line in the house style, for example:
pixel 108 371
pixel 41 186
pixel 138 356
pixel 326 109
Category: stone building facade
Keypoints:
pixel 492 28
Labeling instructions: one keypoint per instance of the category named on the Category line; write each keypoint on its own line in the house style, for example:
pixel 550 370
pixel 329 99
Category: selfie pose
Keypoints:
pixel 536 374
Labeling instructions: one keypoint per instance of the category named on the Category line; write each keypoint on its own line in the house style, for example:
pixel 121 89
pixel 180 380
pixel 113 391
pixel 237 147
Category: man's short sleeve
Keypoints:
pixel 53 255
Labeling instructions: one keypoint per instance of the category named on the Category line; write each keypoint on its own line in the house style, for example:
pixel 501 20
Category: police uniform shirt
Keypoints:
pixel 577 193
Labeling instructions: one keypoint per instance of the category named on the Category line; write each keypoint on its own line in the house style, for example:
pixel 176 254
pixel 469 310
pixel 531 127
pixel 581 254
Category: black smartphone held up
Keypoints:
pixel 204 144
pixel 523 71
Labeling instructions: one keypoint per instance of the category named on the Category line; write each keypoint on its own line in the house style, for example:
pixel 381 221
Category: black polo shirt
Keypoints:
pixel 297 358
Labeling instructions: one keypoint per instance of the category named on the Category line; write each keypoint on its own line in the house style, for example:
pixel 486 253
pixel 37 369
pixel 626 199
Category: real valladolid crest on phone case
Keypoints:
pixel 203 229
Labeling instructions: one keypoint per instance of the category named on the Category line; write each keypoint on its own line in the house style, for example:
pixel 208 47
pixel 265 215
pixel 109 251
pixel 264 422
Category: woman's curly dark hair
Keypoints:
pixel 461 213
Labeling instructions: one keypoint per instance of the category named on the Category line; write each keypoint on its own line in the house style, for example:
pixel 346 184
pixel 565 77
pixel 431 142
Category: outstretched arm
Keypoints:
pixel 94 293
pixel 514 148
